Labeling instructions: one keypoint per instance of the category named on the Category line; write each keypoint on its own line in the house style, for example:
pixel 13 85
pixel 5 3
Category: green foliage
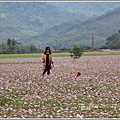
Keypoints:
pixel 4 100
pixel 13 47
pixel 33 48
pixel 11 44
pixel 76 51
pixel 113 42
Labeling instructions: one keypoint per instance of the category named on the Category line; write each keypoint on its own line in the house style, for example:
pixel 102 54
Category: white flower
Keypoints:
pixel 79 116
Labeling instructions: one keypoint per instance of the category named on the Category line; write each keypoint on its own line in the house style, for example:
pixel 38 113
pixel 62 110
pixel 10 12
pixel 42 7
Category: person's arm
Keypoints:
pixel 43 60
pixel 52 61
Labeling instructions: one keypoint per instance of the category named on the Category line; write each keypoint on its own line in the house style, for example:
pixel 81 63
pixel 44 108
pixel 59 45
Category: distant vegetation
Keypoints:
pixel 59 25
pixel 12 46
pixel 113 42
pixel 77 51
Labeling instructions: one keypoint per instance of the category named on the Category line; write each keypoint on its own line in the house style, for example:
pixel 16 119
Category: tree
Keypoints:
pixel 76 51
pixel 113 42
pixel 3 48
pixel 11 46
pixel 33 48
pixel 11 43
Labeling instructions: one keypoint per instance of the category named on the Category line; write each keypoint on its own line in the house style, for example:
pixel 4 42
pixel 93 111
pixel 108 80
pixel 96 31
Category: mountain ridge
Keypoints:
pixel 44 23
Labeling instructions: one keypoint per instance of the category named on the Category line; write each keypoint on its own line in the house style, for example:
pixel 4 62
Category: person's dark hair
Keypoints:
pixel 47 49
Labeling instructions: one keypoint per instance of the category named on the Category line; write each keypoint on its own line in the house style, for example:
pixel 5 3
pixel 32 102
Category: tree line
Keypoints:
pixel 12 46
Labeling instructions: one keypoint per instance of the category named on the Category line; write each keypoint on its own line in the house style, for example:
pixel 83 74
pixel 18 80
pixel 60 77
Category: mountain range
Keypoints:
pixel 60 24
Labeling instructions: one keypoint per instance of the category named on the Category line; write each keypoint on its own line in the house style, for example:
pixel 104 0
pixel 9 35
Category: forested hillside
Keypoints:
pixel 66 34
pixel 22 19
pixel 60 24
pixel 113 42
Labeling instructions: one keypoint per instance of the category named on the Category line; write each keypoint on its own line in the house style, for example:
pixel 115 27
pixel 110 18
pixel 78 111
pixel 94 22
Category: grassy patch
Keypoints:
pixel 20 56
pixel 4 56
pixel 38 55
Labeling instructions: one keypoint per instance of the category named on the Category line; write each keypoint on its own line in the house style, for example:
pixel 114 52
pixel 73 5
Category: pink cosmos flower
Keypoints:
pixel 27 96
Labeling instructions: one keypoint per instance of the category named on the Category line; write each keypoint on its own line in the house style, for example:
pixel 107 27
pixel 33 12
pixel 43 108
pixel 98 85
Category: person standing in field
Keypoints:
pixel 47 61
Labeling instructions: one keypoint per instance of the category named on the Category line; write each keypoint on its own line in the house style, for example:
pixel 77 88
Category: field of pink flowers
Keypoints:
pixel 25 93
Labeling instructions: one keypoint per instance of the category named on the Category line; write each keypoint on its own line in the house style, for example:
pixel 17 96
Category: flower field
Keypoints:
pixel 25 93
